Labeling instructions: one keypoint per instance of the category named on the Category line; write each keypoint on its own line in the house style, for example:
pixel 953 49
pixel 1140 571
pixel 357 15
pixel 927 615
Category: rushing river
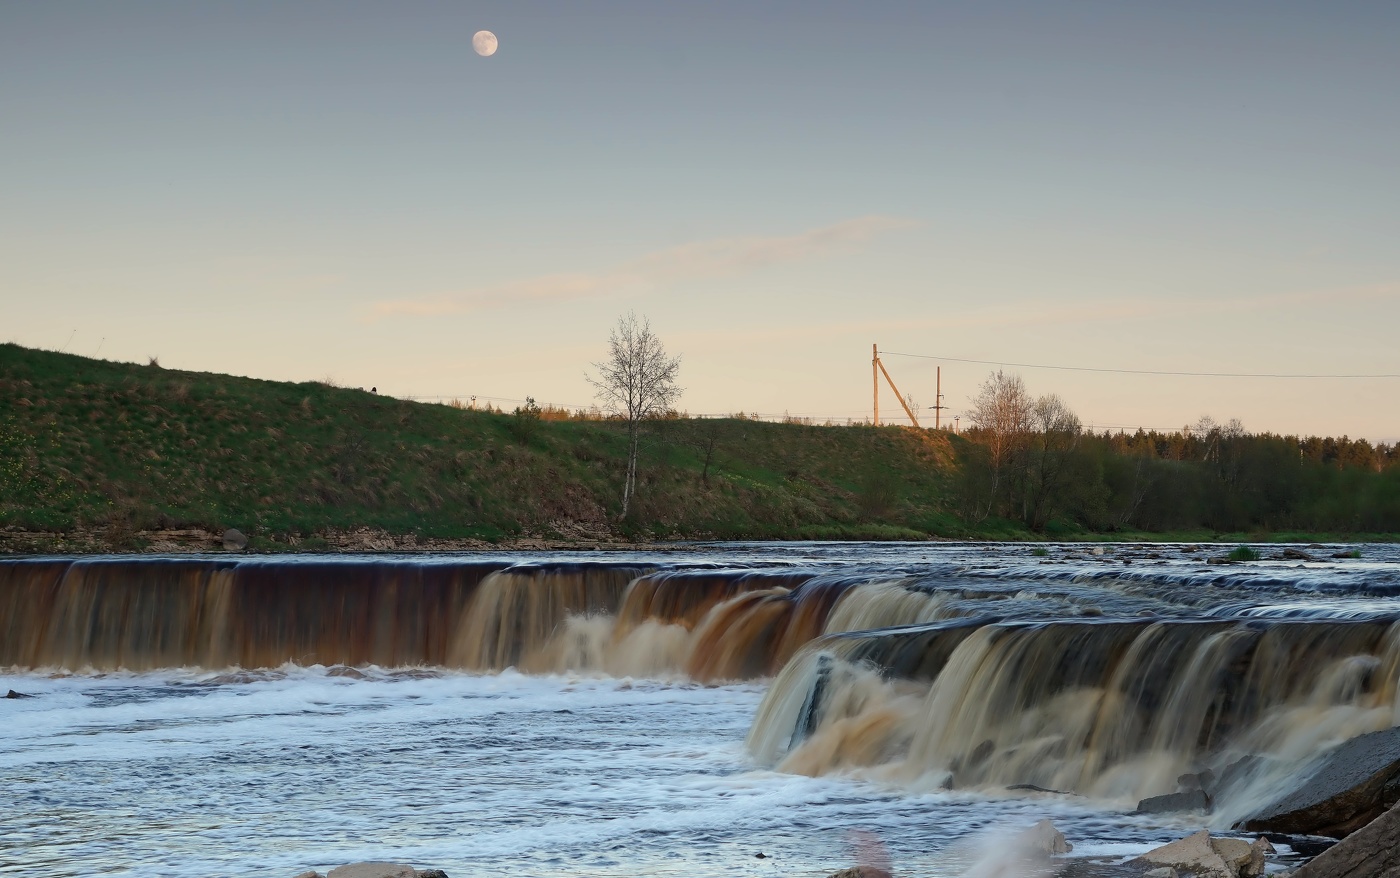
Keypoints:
pixel 675 713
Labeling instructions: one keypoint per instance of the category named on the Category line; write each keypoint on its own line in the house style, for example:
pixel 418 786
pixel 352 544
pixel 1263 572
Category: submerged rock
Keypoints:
pixel 1191 800
pixel 13 694
pixel 1297 555
pixel 1371 852
pixel 1351 786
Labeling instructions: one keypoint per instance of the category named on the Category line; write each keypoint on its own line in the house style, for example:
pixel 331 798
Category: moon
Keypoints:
pixel 484 42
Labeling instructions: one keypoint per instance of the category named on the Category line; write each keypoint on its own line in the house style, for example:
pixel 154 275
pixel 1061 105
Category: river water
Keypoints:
pixel 622 751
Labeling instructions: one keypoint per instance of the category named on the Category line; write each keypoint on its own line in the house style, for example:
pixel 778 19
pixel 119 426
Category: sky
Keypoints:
pixel 345 191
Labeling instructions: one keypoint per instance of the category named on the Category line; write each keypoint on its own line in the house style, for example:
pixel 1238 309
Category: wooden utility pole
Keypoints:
pixel 879 369
pixel 875 375
pixel 938 405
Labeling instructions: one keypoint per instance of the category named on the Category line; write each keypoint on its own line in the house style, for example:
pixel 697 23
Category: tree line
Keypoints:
pixel 1029 460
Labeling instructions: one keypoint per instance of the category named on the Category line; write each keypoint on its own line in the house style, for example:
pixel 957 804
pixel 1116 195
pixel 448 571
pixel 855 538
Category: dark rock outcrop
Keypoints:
pixel 13 694
pixel 1350 786
pixel 1371 852
pixel 1191 800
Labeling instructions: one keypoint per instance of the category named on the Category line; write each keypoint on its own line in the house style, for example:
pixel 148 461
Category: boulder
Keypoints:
pixel 1045 838
pixel 1243 858
pixel 312 874
pixel 431 873
pixel 1348 788
pixel 234 540
pixel 1371 852
pixel 1205 780
pixel 1192 800
pixel 1297 555
pixel 1205 857
pixel 373 870
pixel 861 872
pixel 1161 872
pixel 13 694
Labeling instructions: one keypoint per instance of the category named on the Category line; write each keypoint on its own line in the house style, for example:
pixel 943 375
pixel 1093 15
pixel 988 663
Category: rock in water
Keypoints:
pixel 373 870
pixel 1350 787
pixel 1193 800
pixel 1296 555
pixel 1371 852
pixel 861 872
pixel 1045 838
pixel 13 694
pixel 234 540
pixel 1207 857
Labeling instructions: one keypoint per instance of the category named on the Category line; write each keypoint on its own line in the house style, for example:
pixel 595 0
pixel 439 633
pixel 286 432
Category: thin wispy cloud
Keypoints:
pixel 701 260
pixel 1094 311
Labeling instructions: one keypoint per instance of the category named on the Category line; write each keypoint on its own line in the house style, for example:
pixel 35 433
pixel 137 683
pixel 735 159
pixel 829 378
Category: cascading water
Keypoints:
pixel 924 667
pixel 1112 709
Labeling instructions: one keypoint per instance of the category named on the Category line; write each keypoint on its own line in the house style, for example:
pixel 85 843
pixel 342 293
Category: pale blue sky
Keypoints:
pixel 344 190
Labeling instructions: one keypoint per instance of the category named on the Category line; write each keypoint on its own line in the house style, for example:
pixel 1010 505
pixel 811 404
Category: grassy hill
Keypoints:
pixel 116 450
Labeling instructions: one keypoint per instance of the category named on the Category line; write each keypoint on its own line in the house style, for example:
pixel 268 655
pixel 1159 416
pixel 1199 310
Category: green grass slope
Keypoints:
pixel 119 449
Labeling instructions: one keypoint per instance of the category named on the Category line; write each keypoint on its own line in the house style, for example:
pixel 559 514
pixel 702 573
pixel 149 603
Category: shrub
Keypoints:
pixel 525 421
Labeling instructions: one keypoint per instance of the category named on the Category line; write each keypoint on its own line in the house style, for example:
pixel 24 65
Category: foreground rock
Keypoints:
pixel 861 872
pixel 1205 857
pixel 1351 786
pixel 1029 853
pixel 1044 838
pixel 1371 852
pixel 376 870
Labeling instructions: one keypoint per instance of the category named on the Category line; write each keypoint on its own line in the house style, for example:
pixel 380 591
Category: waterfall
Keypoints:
pixel 1114 709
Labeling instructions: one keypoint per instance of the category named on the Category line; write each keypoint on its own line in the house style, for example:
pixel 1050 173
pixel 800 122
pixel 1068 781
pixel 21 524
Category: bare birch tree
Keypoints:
pixel 1002 411
pixel 636 382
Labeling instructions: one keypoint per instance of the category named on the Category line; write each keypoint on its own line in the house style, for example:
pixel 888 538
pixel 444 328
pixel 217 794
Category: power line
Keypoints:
pixel 1136 371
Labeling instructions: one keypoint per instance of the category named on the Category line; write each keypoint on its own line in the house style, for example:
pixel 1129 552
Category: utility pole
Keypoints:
pixel 875 376
pixel 938 405
pixel 878 368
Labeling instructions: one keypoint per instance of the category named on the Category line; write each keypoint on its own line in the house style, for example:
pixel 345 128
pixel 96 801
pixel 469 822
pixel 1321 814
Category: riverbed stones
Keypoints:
pixel 1350 786
pixel 1371 852
pixel 235 540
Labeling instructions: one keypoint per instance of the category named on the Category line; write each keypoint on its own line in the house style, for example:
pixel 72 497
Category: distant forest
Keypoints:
pixel 1030 461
